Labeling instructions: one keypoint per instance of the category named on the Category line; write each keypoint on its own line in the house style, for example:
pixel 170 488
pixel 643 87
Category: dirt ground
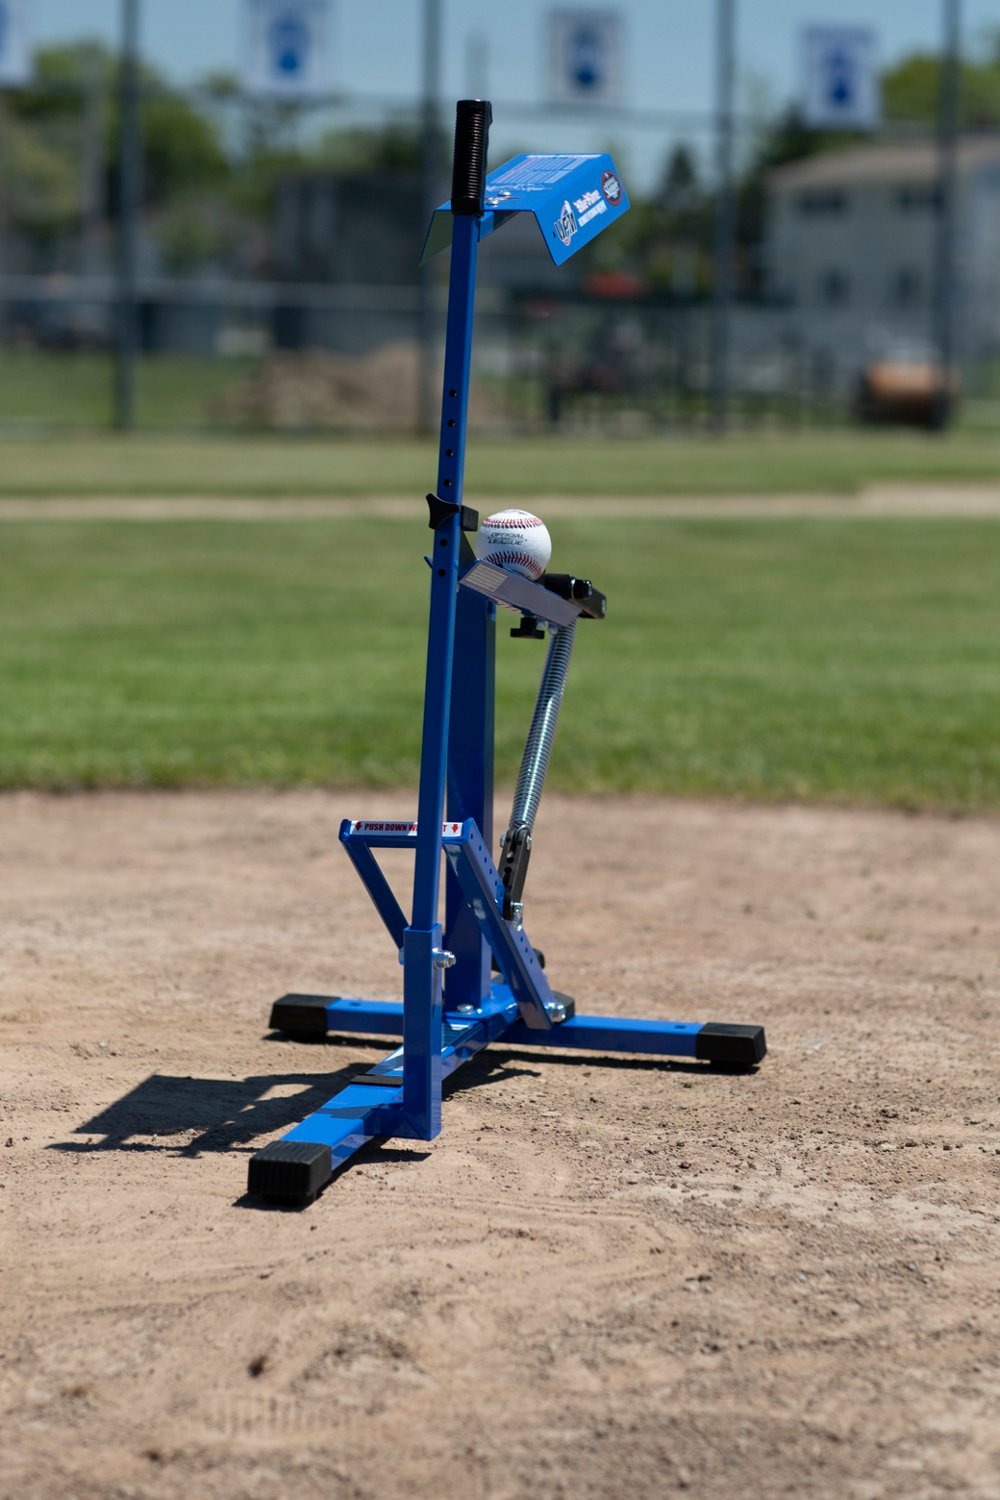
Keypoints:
pixel 604 1279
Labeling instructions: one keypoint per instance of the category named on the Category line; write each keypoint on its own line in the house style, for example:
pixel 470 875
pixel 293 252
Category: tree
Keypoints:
pixel 357 151
pixel 182 145
pixel 41 188
pixel 911 90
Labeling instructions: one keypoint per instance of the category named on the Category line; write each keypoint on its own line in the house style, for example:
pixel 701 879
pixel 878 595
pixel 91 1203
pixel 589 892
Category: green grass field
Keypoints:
pixel 846 660
pixel 75 389
pixel 828 463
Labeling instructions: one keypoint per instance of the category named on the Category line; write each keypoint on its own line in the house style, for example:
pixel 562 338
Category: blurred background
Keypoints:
pixel 211 216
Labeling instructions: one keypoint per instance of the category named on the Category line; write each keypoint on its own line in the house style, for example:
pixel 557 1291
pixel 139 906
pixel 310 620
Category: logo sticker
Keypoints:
pixel 589 206
pixel 611 188
pixel 566 225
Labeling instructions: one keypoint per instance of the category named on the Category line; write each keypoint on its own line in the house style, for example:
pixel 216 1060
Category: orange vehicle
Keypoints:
pixel 907 390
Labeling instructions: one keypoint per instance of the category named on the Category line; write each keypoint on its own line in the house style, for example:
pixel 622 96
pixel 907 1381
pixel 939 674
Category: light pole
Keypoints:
pixel 129 189
pixel 725 217
pixel 429 135
pixel 944 249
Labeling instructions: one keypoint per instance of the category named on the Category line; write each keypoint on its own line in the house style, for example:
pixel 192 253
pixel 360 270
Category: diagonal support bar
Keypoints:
pixel 483 889
pixel 375 883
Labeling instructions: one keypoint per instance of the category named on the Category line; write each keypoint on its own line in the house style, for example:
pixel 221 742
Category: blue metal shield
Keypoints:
pixel 572 198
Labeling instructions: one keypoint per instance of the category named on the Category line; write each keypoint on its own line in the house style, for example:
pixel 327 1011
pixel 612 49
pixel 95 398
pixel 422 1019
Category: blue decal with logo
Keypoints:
pixel 572 199
pixel 566 225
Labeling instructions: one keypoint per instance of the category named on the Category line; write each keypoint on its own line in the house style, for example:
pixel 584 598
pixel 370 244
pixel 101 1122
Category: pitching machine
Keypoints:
pixel 476 979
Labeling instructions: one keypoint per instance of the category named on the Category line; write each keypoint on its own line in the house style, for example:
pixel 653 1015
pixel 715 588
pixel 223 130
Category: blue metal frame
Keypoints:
pixel 452 1007
pixel 423 945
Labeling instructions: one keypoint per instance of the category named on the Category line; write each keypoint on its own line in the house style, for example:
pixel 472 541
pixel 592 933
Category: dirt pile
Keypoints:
pixel 315 390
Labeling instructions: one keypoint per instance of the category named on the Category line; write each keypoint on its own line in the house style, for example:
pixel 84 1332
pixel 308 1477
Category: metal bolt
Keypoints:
pixel 517 914
pixel 441 958
pixel 556 1010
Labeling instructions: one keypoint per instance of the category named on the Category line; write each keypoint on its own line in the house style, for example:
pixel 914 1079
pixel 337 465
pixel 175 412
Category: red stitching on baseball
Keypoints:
pixel 514 560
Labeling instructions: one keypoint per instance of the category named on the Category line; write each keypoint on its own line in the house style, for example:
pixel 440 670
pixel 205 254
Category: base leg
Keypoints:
pixel 297 1167
pixel 737 1048
pixel 724 1044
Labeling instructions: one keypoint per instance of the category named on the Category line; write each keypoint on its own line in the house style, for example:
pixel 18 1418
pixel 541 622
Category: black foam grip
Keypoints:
pixel 473 118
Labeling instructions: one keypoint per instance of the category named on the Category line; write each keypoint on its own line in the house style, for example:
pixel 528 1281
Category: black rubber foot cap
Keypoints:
pixel 290 1171
pixel 737 1048
pixel 300 1015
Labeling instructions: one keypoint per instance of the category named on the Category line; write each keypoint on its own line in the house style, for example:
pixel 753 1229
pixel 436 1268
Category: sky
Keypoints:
pixel 668 59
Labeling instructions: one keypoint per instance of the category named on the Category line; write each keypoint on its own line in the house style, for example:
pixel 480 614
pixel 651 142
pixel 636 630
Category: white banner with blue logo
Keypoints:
pixel 840 85
pixel 286 47
pixel 585 57
pixel 15 50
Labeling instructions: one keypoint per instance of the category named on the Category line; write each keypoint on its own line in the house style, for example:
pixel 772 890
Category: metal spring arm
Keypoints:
pixel 534 765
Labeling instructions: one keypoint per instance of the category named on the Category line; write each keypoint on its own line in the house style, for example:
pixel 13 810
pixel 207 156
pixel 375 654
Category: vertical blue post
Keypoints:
pixel 470 788
pixel 444 572
pixel 422 942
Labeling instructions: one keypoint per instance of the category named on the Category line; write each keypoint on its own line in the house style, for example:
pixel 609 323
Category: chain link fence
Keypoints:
pixel 277 284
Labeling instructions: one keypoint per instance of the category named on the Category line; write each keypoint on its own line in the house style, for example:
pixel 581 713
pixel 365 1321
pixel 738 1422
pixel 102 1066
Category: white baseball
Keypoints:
pixel 515 540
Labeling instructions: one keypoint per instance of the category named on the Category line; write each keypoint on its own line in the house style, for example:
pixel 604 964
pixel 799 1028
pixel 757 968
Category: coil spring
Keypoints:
pixel 538 749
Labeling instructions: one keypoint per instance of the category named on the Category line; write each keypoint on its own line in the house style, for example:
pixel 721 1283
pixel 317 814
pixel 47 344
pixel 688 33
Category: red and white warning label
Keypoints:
pixel 407 830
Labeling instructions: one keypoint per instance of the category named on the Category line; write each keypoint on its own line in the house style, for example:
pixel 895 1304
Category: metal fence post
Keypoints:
pixel 427 333
pixel 129 188
pixel 725 218
pixel 944 246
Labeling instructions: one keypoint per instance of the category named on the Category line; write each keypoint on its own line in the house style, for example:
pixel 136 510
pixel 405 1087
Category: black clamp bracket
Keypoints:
pixel 443 510
pixel 528 629
pixel 513 869
pixel 593 604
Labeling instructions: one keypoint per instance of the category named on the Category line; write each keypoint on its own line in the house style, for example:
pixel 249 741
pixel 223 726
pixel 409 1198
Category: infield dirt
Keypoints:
pixel 604 1278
